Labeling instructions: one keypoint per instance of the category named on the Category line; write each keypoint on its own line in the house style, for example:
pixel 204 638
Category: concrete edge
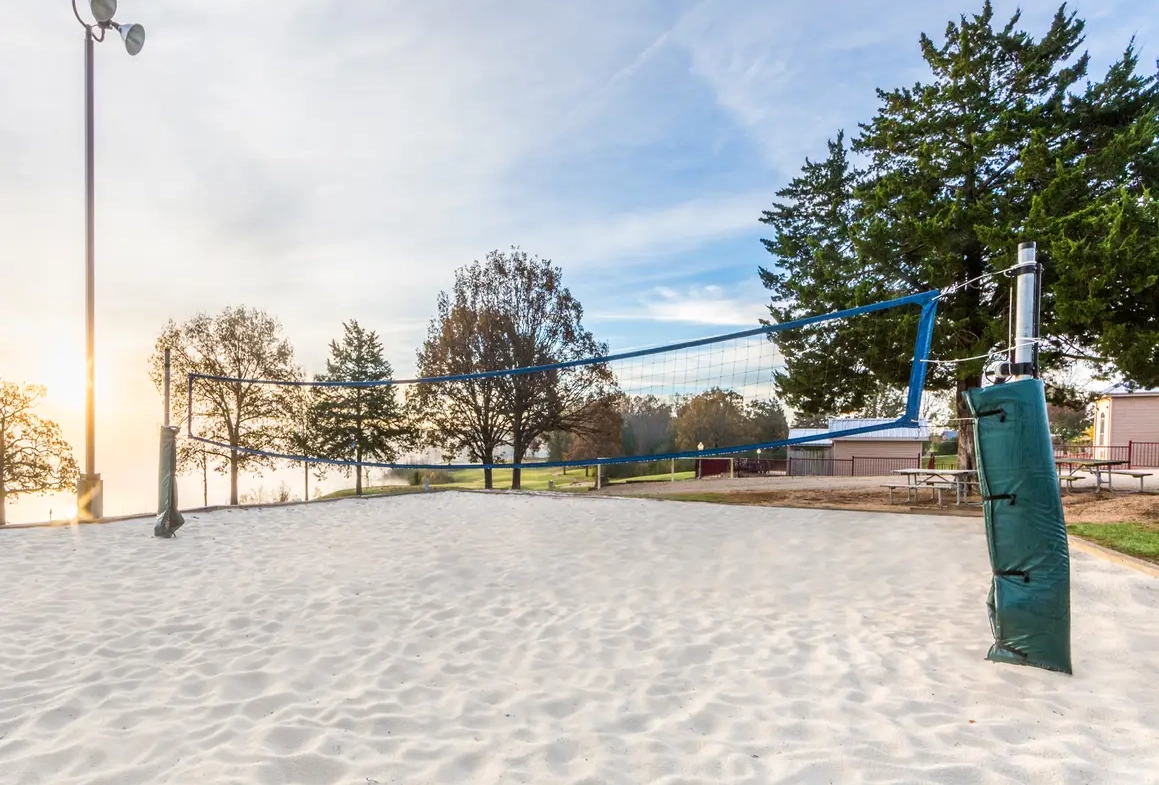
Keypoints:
pixel 1113 556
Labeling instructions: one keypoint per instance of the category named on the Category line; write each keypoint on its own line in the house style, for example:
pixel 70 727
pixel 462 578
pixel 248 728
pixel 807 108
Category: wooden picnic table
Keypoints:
pixel 1097 466
pixel 959 478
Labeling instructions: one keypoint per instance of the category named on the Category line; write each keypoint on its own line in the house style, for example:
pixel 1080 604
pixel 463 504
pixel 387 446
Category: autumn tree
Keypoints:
pixel 238 344
pixel 510 311
pixel 1002 143
pixel 466 336
pixel 716 418
pixel 363 421
pixel 34 457
pixel 543 326
pixel 602 435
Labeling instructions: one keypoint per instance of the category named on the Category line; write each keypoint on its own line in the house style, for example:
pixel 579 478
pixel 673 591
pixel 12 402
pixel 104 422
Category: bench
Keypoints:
pixel 1136 473
pixel 909 489
pixel 1070 480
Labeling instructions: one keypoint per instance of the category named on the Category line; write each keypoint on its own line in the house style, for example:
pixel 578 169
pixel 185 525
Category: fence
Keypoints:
pixel 857 466
pixel 1145 454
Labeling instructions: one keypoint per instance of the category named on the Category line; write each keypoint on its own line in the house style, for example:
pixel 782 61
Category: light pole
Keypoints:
pixel 89 492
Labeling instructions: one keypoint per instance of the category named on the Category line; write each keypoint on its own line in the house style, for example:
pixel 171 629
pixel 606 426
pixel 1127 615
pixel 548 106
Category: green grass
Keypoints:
pixel 1134 539
pixel 531 480
pixel 946 462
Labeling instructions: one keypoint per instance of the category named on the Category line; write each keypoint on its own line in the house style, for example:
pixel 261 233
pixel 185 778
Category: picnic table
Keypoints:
pixel 958 479
pixel 1096 466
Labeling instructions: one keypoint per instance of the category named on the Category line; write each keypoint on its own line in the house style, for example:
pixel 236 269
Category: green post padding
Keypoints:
pixel 1029 599
pixel 169 520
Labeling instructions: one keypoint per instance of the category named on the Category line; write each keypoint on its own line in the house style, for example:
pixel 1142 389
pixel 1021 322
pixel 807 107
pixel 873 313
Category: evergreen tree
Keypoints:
pixel 1000 146
pixel 359 423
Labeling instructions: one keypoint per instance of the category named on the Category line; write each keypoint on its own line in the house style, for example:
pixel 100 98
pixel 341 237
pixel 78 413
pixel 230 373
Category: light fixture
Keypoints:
pixel 103 10
pixel 134 36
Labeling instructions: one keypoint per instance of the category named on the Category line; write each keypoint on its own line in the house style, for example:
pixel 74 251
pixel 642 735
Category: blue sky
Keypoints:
pixel 336 160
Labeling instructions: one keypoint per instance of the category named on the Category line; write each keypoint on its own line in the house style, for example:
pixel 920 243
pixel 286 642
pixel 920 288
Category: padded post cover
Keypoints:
pixel 1029 600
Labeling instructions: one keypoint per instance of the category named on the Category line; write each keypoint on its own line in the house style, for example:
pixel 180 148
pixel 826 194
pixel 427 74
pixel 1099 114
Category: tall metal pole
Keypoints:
pixel 1026 314
pixel 168 365
pixel 89 494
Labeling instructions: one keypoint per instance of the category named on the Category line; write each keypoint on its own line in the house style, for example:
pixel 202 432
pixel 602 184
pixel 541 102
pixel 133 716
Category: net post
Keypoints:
pixel 168 367
pixel 1026 315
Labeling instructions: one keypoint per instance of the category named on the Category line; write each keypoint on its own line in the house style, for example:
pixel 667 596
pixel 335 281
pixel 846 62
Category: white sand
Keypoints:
pixel 464 638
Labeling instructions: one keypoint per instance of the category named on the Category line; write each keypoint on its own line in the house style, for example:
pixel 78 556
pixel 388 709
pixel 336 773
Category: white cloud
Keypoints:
pixel 705 305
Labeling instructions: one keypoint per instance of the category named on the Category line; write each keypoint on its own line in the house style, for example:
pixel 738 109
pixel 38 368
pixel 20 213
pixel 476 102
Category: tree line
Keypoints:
pixel 508 311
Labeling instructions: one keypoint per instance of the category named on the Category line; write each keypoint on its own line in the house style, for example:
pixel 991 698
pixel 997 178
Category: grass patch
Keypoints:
pixel 1134 539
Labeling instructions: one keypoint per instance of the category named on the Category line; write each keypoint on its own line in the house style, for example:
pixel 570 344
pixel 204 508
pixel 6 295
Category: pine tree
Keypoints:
pixel 1000 146
pixel 359 423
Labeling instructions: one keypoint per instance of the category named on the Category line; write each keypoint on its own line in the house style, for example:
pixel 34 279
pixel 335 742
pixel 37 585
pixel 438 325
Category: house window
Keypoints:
pixel 1101 438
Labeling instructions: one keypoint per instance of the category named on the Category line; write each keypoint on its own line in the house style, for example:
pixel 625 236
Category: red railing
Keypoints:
pixel 1145 454
pixel 857 466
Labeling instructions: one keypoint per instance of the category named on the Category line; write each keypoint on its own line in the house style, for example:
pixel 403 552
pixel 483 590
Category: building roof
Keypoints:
pixel 1122 391
pixel 919 433
pixel 800 433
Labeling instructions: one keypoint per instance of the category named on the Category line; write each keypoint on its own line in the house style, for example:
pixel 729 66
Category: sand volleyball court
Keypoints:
pixel 470 638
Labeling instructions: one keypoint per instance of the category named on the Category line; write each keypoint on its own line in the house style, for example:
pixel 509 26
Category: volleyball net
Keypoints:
pixel 724 395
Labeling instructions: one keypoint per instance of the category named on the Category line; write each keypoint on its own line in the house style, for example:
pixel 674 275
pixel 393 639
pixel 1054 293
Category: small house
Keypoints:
pixel 1127 426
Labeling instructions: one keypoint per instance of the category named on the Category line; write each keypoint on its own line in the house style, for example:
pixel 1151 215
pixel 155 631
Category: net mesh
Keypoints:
pixel 719 396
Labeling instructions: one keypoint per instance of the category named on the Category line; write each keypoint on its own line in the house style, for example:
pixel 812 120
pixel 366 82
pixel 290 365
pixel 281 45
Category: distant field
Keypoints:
pixel 532 479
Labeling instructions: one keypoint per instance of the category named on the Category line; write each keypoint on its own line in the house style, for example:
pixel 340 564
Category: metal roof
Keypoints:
pixel 920 433
pixel 800 433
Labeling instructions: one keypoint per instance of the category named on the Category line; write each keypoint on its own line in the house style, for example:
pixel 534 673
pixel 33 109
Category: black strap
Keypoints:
pixel 991 412
pixel 1023 574
pixel 998 496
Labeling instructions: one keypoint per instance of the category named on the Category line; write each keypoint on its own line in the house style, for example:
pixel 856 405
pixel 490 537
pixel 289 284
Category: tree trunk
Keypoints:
pixel 488 482
pixel 204 481
pixel 306 474
pixel 515 478
pixel 3 490
pixel 358 470
pixel 966 449
pixel 233 477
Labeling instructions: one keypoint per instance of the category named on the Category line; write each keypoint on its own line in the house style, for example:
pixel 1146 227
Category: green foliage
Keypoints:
pixel 34 457
pixel 1000 145
pixel 1068 424
pixel 647 425
pixel 948 447
pixel 358 423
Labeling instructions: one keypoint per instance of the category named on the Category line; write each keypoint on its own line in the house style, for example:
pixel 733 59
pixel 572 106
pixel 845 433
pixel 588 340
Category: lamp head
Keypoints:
pixel 103 10
pixel 134 36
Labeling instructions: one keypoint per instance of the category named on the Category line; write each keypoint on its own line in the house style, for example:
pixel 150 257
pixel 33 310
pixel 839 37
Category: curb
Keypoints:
pixel 1106 554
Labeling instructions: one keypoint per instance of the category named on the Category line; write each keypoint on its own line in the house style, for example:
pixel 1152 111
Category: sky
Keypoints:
pixel 328 160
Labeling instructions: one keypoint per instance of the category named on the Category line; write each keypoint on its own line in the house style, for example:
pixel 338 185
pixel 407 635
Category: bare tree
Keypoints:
pixel 543 326
pixel 239 343
pixel 463 338
pixel 34 457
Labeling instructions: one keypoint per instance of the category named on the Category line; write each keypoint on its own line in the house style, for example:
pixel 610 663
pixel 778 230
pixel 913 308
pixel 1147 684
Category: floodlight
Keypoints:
pixel 134 36
pixel 103 10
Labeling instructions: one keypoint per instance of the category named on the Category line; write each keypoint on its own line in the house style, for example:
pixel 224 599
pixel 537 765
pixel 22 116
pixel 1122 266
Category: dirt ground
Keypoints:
pixel 866 493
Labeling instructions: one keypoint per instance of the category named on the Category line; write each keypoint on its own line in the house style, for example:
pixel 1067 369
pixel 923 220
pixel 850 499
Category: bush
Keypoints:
pixel 436 476
pixel 948 447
